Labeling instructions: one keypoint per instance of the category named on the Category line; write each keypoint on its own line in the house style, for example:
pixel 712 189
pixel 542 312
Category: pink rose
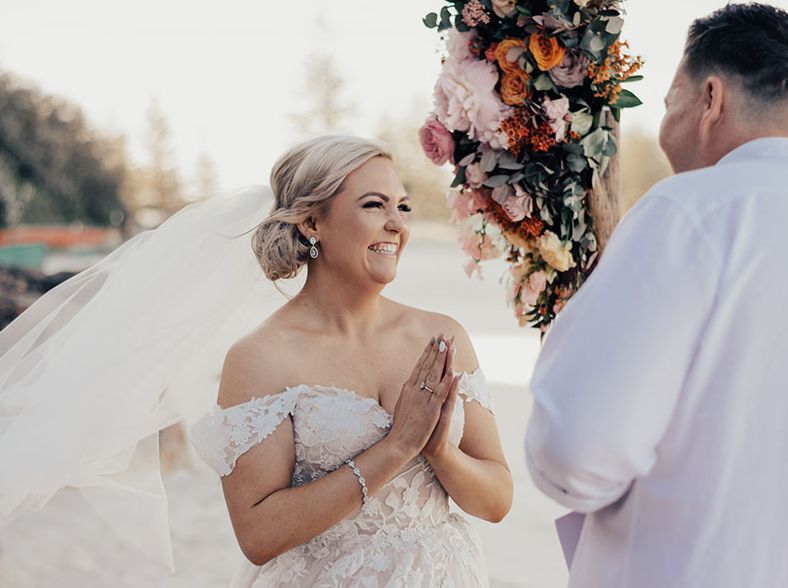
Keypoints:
pixel 474 175
pixel 518 207
pixel 479 200
pixel 571 72
pixel 437 142
pixel 466 100
pixel 556 112
pixel 534 286
pixel 516 203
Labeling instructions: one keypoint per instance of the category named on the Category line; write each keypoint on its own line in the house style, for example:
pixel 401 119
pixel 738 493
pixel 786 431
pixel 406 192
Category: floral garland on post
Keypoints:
pixel 526 107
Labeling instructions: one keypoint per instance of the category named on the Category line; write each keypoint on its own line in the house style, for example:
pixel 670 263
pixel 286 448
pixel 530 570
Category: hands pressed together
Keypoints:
pixel 423 412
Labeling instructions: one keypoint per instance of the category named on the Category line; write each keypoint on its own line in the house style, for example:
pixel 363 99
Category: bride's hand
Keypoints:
pixel 418 410
pixel 439 439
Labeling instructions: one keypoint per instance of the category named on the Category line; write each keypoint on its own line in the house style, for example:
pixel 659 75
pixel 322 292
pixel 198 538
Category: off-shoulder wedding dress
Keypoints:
pixel 404 536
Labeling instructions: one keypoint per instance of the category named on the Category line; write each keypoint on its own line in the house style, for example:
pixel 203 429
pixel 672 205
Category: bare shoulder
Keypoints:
pixel 423 324
pixel 256 365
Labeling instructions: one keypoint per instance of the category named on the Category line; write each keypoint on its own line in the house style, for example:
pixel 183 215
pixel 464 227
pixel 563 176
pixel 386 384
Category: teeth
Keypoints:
pixel 384 248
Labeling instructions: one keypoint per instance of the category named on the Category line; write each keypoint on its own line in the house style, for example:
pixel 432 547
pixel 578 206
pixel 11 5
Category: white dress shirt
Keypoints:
pixel 661 392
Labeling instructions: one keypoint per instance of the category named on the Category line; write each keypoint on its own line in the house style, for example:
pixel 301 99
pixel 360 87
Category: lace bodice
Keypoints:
pixel 330 425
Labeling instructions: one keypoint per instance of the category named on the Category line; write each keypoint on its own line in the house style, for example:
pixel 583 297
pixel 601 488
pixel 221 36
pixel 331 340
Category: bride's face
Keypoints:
pixel 365 228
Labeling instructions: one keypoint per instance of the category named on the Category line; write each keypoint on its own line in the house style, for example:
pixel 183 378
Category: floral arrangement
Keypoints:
pixel 526 107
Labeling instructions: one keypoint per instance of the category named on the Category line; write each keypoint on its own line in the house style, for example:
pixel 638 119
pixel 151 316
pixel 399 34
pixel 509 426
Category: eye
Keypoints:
pixel 405 208
pixel 373 204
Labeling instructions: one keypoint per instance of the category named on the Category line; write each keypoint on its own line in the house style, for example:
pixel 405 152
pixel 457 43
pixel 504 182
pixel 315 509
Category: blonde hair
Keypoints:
pixel 304 180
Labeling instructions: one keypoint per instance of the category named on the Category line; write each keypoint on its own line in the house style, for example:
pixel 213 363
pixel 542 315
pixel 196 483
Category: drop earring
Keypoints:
pixel 313 252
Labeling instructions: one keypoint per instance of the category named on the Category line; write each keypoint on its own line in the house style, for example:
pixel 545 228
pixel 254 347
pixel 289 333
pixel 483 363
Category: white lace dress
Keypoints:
pixel 405 536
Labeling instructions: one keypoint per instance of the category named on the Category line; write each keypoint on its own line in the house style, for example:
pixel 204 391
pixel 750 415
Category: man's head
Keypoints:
pixel 730 87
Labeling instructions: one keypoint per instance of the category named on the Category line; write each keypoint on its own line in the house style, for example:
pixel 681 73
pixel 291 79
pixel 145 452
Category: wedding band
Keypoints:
pixel 427 388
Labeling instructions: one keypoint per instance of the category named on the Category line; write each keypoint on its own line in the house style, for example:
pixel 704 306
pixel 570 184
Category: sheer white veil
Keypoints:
pixel 98 365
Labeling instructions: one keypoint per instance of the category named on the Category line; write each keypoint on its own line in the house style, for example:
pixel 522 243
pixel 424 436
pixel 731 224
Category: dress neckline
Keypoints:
pixel 300 387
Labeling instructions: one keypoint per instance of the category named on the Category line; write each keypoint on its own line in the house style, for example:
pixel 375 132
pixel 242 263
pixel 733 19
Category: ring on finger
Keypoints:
pixel 425 387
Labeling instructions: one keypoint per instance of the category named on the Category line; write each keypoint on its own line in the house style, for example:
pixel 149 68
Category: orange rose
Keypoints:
pixel 547 51
pixel 514 87
pixel 502 50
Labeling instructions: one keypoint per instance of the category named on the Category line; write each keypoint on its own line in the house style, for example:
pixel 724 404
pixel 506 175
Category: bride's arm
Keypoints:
pixel 475 474
pixel 269 517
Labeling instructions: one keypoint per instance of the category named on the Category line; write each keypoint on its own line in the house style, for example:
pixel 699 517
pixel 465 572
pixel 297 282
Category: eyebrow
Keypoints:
pixel 385 197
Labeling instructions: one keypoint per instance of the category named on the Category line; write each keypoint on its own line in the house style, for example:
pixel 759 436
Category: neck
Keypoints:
pixel 773 125
pixel 341 306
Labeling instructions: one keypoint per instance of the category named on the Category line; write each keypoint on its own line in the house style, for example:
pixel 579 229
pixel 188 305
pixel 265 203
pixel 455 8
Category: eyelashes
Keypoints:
pixel 377 204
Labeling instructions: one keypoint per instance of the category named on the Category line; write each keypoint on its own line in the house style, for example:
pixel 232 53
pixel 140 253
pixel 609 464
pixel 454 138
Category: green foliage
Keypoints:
pixel 53 166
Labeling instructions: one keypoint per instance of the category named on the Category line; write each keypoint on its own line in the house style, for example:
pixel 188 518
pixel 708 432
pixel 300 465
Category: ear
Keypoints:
pixel 308 228
pixel 714 105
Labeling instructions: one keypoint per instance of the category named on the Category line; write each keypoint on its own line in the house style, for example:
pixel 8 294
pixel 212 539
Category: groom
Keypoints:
pixel 661 393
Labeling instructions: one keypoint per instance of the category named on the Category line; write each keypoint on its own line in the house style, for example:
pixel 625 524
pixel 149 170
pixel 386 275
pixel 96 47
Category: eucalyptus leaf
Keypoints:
pixel 614 25
pixel 543 83
pixel 576 163
pixel 496 181
pixel 627 99
pixel 545 214
pixel 467 160
pixel 431 20
pixel 513 165
pixel 592 43
pixel 489 161
pixel 514 54
pixel 445 22
pixel 581 122
pixel 459 178
pixel 516 177
pixel 595 143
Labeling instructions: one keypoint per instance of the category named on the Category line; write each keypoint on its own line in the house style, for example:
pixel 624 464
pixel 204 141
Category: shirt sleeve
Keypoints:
pixel 611 369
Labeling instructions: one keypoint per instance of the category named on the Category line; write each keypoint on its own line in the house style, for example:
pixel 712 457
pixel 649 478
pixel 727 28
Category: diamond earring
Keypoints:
pixel 313 252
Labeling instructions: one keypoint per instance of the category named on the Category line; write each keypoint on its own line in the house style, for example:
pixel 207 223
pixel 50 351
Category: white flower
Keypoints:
pixel 458 45
pixel 557 254
pixel 556 112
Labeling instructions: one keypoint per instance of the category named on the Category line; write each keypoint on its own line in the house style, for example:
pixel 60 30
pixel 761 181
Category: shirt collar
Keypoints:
pixel 762 148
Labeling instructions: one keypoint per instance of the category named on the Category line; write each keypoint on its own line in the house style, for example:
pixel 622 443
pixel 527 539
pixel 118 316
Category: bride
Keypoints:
pixel 343 423
pixel 339 437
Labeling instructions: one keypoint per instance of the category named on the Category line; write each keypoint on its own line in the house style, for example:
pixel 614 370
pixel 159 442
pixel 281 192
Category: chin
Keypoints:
pixel 384 278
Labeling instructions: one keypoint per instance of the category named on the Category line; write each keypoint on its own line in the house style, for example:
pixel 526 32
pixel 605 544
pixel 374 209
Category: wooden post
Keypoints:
pixel 604 202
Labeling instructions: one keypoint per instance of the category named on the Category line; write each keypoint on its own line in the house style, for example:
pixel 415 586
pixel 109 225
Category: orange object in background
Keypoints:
pixel 60 236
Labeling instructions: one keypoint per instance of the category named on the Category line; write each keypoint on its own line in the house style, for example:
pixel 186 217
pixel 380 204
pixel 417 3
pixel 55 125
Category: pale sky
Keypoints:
pixel 228 74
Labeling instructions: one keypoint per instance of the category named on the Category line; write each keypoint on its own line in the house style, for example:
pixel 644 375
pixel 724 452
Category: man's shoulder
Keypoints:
pixel 703 192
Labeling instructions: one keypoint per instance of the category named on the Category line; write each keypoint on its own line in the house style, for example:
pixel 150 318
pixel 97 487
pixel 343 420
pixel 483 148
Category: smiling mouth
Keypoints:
pixel 384 248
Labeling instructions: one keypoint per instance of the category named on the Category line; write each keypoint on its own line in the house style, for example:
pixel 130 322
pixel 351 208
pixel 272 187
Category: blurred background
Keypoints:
pixel 115 115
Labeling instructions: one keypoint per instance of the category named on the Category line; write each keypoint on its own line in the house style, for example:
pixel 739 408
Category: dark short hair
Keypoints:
pixel 747 41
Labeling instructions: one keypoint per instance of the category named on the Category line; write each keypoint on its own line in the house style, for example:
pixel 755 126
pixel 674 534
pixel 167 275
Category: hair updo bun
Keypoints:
pixel 303 181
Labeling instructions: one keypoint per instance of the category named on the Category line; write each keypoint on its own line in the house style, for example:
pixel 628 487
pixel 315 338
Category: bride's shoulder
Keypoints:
pixel 423 324
pixel 255 366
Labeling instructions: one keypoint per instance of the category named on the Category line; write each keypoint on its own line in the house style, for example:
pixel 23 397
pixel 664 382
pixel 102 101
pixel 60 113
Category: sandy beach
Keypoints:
pixel 66 547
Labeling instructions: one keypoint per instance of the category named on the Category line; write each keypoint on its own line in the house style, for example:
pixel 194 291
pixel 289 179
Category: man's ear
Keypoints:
pixel 715 103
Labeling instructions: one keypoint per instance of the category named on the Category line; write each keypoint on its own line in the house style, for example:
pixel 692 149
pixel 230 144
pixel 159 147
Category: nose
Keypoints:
pixel 395 223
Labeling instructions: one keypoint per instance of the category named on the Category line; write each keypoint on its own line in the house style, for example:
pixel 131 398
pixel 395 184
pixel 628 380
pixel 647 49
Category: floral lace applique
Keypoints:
pixel 405 535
